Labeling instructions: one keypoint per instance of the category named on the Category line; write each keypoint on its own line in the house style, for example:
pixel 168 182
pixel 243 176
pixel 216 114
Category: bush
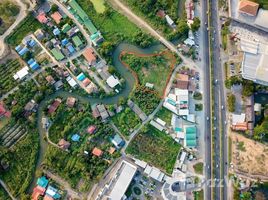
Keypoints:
pixel 231 103
pixel 197 96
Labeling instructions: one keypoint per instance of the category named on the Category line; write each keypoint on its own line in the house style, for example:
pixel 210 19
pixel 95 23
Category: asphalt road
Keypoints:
pixel 220 147
pixel 207 96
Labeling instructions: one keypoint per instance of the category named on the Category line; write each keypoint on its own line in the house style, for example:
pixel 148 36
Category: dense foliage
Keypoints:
pixel 156 148
pixel 231 102
pixel 126 121
pixel 7 70
pixel 261 130
pixel 28 24
pixel 146 99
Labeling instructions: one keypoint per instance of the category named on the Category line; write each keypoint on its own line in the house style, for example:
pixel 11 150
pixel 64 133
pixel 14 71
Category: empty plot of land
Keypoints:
pixel 98 5
pixel 249 156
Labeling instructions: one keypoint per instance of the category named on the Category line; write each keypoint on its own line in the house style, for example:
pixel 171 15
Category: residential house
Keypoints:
pixel 86 82
pixel 77 41
pixel 161 14
pixel 117 141
pixel 56 16
pixel 91 129
pixel 97 152
pixel 3 111
pixel 39 34
pixel 53 192
pixel 182 81
pixel 58 85
pixel 42 182
pixel 111 150
pixel 75 138
pixel 170 21
pixel 90 56
pixel 112 81
pixel 37 192
pixel 54 106
pixel 63 144
pixel 103 112
pixel 95 112
pixel 42 18
pixel 70 102
pixel 50 80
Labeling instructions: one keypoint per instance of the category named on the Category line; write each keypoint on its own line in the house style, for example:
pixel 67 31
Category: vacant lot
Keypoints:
pixel 151 68
pixel 156 148
pixel 98 5
pixel 126 121
pixel 29 24
pixel 165 115
pixel 8 13
pixel 249 156
pixel 7 70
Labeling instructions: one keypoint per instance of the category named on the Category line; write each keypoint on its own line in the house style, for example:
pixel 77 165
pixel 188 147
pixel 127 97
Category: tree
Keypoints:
pixel 54 8
pixel 196 24
pixel 231 103
pixel 248 88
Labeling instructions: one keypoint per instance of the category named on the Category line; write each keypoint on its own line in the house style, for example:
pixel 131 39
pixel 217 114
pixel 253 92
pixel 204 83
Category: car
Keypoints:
pixel 217 166
pixel 216 81
pixel 215 118
pixel 207 118
pixel 225 122
pixel 222 107
pixel 215 128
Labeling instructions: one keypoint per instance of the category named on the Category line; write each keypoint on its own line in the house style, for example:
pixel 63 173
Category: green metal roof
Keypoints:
pixel 57 54
pixel 90 26
pixel 66 28
pixel 77 41
pixel 42 182
pixel 190 136
pixel 191 143
pixel 78 9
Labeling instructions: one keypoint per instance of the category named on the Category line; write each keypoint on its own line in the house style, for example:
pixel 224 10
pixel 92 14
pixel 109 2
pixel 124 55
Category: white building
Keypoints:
pixel 154 173
pixel 170 21
pixel 21 74
pixel 71 82
pixel 112 81
pixel 122 179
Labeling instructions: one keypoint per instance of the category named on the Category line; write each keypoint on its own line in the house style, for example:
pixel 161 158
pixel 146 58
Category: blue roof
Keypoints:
pixel 75 137
pixel 31 61
pixel 170 101
pixel 53 192
pixel 42 182
pixel 71 49
pixel 34 66
pixel 64 42
pixel 118 141
pixel 56 31
pixel 81 77
pixel 23 51
pixel 18 48
pixel 32 43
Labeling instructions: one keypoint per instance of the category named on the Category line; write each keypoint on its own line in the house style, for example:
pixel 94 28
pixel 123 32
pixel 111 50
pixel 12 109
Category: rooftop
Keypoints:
pixel 56 16
pixel 248 7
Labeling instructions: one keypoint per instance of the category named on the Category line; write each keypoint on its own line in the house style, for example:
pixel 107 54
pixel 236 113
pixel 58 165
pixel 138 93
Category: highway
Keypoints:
pixel 220 146
pixel 207 97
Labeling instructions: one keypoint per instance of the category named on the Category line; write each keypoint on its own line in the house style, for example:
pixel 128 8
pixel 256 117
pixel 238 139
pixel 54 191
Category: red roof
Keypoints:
pixel 161 13
pixel 42 18
pixel 97 152
pixel 240 126
pixel 89 55
pixel 53 107
pixel 56 16
pixel 86 82
pixel 91 129
pixel 4 112
pixel 38 191
pixel 248 7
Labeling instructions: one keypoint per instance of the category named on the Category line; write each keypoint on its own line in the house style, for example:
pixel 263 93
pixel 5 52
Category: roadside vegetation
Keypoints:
pixel 8 13
pixel 7 70
pixel 126 121
pixel 146 99
pixel 231 102
pixel 263 3
pixel 3 194
pixel 165 115
pixel 198 168
pixel 154 69
pixel 28 25
pixel 149 9
pixel 156 148
pixel 197 96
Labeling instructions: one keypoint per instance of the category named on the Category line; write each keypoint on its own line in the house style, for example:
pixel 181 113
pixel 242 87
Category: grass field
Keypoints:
pixel 165 115
pixel 199 195
pixel 156 148
pixel 8 13
pixel 126 121
pixel 3 121
pixel 153 69
pixel 99 5
pixel 29 24
pixel 7 71
pixel 114 27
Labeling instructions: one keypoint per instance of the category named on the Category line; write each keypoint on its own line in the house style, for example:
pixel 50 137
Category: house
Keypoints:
pixel 71 49
pixel 63 144
pixel 42 18
pixel 117 141
pixel 64 42
pixel 91 129
pixel 81 76
pixel 56 31
pixel 112 81
pixel 39 34
pixel 57 54
pixel 75 137
pixel 58 85
pixel 37 192
pixel 90 56
pixel 46 197
pixel 71 82
pixel 23 51
pixel 54 106
pixel 189 42
pixel 56 16
pixel 111 150
pixel 95 112
pixel 182 81
pixel 50 79
pixel 66 28
pixel 239 122
pixel 77 41
pixel 190 136
pixel 97 152
pixel 103 112
pixel 70 102
pixel 170 21
pixel 42 182
pixel 96 38
pixel 248 7
pixel 53 192
pixel 22 73
pixel 86 82
pixel 161 14
pixel 30 106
